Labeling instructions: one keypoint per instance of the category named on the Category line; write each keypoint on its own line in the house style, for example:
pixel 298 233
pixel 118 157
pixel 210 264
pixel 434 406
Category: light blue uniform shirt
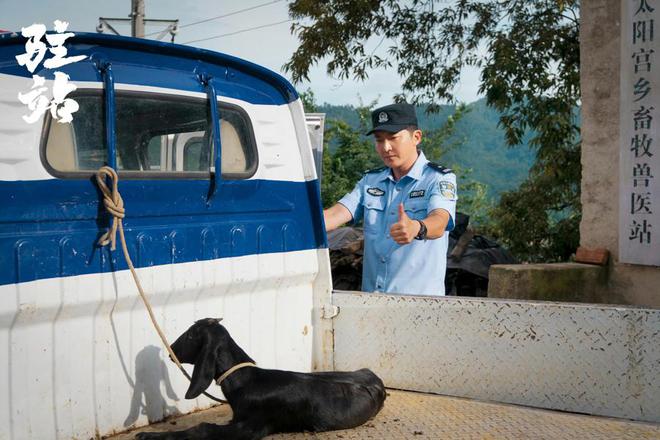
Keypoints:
pixel 415 268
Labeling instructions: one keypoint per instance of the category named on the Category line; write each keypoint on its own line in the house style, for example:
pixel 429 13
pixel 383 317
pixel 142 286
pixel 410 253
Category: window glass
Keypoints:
pixel 154 134
pixel 78 145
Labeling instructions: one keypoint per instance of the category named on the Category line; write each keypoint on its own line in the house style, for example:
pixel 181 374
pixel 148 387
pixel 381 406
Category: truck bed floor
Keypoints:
pixel 409 415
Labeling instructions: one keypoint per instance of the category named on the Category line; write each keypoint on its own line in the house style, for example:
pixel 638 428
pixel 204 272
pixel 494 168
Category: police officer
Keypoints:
pixel 408 208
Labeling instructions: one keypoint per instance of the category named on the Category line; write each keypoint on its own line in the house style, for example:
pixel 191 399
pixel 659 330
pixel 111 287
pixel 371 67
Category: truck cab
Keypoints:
pixel 223 219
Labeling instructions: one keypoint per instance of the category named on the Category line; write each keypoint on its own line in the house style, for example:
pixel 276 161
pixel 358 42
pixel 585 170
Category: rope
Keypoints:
pixel 115 205
pixel 226 374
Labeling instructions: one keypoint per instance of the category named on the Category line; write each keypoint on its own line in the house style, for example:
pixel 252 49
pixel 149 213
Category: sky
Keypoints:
pixel 270 46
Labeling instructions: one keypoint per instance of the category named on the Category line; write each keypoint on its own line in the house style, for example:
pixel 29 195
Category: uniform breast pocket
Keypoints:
pixel 416 210
pixel 374 211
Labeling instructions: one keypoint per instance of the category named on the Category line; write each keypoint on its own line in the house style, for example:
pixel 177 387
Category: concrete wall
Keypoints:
pixel 572 282
pixel 600 51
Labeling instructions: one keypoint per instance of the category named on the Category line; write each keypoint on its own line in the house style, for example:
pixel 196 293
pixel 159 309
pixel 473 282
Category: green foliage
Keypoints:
pixel 353 155
pixel 345 167
pixel 309 101
pixel 529 73
pixel 438 144
pixel 553 237
pixel 473 200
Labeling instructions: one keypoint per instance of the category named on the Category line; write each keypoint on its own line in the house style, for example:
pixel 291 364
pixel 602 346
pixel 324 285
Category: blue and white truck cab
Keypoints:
pixel 226 225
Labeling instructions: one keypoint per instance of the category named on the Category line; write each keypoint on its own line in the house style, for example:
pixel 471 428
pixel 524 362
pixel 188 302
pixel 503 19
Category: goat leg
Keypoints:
pixel 243 430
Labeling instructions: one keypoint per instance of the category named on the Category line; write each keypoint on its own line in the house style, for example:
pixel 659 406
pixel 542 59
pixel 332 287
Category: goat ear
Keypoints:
pixel 204 369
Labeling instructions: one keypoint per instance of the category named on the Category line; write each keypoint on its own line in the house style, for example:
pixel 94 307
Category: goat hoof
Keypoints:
pixel 153 436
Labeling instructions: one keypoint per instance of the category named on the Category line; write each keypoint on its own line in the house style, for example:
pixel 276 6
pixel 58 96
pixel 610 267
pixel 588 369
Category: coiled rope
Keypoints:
pixel 115 205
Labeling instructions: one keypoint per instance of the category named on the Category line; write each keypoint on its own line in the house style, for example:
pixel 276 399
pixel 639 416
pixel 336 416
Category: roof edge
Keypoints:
pixel 163 48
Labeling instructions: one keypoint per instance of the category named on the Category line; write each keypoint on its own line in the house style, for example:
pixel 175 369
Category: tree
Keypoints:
pixel 473 199
pixel 528 53
pixel 309 101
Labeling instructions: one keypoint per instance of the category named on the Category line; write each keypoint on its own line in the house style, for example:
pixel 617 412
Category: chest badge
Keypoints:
pixel 416 194
pixel 375 192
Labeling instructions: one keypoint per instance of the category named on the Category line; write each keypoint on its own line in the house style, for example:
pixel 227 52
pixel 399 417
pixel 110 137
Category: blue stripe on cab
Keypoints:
pixel 152 63
pixel 49 228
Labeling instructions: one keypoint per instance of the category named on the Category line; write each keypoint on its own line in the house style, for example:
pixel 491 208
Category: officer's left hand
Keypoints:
pixel 405 230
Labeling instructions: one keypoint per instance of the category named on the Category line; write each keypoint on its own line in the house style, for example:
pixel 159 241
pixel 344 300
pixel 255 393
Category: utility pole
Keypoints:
pixel 137 18
pixel 137 21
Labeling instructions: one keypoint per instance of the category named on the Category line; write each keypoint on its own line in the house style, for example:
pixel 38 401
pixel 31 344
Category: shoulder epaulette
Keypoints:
pixel 440 168
pixel 375 170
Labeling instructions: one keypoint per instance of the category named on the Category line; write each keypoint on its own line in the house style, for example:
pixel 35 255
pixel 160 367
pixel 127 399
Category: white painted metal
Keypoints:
pixel 316 129
pixel 303 144
pixel 80 357
pixel 323 339
pixel 587 358
pixel 19 141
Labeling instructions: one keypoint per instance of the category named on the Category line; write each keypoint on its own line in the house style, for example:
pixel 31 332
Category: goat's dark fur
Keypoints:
pixel 269 401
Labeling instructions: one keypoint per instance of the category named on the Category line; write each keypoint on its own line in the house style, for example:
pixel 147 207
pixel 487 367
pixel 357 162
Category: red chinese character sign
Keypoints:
pixel 639 175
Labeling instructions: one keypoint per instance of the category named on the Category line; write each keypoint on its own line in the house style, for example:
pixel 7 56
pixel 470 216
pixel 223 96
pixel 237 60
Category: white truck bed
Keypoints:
pixel 411 415
pixel 550 364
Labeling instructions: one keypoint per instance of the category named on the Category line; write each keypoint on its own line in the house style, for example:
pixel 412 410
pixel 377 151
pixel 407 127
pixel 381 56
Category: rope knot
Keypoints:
pixel 113 203
pixel 115 206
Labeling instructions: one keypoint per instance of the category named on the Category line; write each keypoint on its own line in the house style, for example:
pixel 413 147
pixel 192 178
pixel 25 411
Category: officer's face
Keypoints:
pixel 398 150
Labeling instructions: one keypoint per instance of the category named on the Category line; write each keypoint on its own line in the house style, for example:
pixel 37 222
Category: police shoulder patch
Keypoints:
pixel 440 168
pixel 375 170
pixel 447 189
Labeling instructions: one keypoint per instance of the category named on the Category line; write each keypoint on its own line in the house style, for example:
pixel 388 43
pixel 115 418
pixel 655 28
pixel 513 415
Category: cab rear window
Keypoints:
pixel 156 135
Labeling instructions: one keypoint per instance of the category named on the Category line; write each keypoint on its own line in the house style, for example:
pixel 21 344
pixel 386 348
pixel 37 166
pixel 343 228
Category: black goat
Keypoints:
pixel 269 401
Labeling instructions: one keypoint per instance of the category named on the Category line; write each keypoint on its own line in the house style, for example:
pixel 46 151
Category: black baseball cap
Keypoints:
pixel 393 118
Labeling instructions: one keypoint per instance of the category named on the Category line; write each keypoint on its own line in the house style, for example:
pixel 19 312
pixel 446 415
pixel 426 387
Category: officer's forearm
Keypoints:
pixel 436 223
pixel 336 216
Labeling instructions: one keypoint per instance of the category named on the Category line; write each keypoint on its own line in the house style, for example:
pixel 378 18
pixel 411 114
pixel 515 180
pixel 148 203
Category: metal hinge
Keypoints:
pixel 329 311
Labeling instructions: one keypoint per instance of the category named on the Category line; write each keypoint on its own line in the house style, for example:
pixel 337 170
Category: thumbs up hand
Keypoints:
pixel 405 230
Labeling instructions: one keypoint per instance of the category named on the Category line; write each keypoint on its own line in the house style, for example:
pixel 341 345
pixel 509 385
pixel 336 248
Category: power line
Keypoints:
pixel 231 13
pixel 239 32
pixel 223 16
